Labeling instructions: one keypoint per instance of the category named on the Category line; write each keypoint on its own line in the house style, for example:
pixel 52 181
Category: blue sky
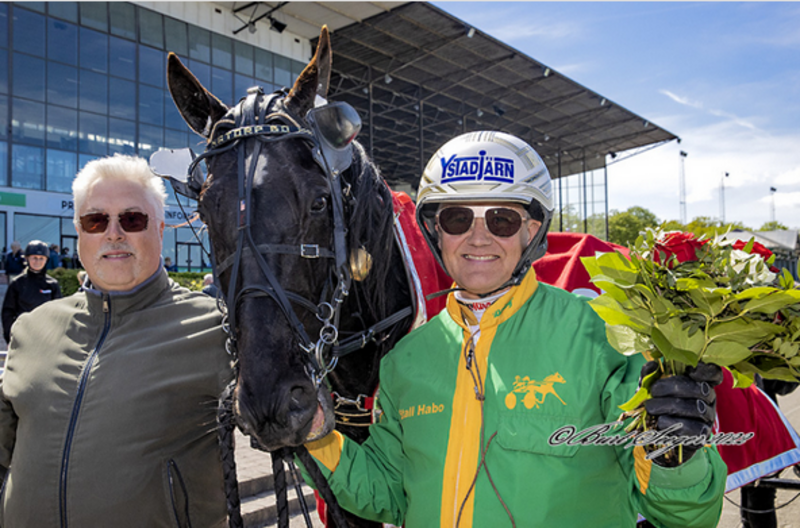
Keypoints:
pixel 723 76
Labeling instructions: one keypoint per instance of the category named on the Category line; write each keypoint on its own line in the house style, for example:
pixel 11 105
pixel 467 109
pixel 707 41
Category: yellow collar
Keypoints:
pixel 502 309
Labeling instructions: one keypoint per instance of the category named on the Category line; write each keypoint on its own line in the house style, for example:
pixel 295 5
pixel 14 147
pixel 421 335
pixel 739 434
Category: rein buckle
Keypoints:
pixel 309 251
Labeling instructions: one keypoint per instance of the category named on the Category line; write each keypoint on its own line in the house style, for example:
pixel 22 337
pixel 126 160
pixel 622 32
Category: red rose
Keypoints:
pixel 758 249
pixel 683 245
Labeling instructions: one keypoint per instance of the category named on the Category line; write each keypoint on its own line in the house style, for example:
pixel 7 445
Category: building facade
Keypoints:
pixel 83 80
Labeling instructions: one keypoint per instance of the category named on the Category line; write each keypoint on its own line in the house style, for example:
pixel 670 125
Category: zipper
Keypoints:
pixel 76 408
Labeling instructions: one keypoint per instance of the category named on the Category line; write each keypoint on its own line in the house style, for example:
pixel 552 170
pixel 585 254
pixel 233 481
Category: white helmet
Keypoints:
pixel 487 167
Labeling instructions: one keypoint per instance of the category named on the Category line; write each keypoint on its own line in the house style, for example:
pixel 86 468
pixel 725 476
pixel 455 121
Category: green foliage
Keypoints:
pixel 67 280
pixel 773 225
pixel 188 279
pixel 624 227
pixel 717 305
pixel 703 226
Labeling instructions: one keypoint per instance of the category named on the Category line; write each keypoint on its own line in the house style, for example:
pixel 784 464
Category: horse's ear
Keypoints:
pixel 198 107
pixel 315 79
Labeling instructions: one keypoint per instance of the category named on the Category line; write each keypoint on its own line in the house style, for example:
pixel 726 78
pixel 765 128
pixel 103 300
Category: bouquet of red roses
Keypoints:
pixel 685 299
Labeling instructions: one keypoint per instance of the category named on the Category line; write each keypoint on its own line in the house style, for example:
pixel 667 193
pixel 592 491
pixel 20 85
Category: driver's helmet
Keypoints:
pixel 37 247
pixel 487 167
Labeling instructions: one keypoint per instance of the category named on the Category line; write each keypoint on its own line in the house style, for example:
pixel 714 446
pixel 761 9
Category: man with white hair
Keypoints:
pixel 108 402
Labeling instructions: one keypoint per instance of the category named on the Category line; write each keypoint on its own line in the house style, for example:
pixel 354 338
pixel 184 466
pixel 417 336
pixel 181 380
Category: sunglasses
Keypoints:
pixel 500 221
pixel 130 222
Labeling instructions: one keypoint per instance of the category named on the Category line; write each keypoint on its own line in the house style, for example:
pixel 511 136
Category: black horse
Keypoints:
pixel 273 196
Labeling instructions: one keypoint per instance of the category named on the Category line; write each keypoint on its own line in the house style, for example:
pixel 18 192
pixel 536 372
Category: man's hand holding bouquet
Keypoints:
pixel 692 306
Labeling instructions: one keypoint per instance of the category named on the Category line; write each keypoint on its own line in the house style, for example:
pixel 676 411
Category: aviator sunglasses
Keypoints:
pixel 500 221
pixel 130 222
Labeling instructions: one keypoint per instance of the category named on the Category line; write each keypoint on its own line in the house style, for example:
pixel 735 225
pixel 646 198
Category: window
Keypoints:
pixel 152 66
pixel 123 19
pixel 282 70
pixel 150 140
pixel 83 159
pixel 175 139
pixel 92 133
pixel 62 128
pixel 29 227
pixel 3 68
pixel 263 65
pixel 62 84
pixel 151 105
pixel 151 28
pixel 94 50
pixel 94 92
pixel 27 24
pixel 172 118
pixel 94 15
pixel 3 119
pixel 4 24
pixel 244 58
pixel 221 51
pixel 201 71
pixel 62 42
pixel 199 44
pixel 27 167
pixel 3 164
pixel 121 98
pixel 176 36
pixel 122 58
pixel 241 84
pixel 28 80
pixel 27 121
pixel 61 169
pixel 221 85
pixel 64 10
pixel 122 136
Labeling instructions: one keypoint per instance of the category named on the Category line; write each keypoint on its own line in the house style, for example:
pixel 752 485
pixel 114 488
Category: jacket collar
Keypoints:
pixel 121 302
pixel 503 308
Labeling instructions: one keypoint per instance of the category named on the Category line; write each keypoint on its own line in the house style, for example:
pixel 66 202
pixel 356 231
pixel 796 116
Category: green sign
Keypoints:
pixel 7 198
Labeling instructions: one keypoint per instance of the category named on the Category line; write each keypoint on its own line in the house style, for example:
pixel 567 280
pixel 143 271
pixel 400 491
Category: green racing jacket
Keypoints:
pixel 542 362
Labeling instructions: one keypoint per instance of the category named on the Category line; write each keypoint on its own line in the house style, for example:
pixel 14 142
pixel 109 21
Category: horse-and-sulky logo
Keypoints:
pixel 532 390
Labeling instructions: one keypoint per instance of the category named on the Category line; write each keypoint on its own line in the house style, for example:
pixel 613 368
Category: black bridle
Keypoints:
pixel 256 117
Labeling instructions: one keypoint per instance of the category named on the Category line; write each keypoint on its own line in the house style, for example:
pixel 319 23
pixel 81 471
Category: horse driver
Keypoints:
pixel 471 400
pixel 108 401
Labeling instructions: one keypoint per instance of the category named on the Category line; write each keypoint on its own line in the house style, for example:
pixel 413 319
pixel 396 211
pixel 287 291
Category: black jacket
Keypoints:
pixel 26 292
pixel 15 263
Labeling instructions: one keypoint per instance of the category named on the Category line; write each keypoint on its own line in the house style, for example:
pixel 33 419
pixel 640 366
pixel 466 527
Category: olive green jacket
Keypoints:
pixel 107 411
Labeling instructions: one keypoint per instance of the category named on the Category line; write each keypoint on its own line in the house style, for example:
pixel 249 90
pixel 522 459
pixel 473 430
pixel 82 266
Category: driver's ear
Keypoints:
pixel 533 228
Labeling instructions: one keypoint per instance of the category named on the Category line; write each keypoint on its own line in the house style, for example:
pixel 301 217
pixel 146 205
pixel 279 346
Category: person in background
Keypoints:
pixel 55 257
pixel 66 258
pixel 169 266
pixel 209 288
pixel 31 288
pixel 108 403
pixel 15 261
pixel 473 400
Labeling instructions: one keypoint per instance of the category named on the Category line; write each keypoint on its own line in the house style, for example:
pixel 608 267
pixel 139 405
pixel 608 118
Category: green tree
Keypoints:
pixel 773 225
pixel 711 227
pixel 624 227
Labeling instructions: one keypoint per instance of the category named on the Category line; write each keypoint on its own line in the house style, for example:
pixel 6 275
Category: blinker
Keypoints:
pixel 335 126
pixel 173 165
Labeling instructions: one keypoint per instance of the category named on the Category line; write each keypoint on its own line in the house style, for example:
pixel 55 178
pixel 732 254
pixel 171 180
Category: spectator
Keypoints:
pixel 66 258
pixel 31 288
pixel 169 266
pixel 55 257
pixel 108 402
pixel 209 288
pixel 15 261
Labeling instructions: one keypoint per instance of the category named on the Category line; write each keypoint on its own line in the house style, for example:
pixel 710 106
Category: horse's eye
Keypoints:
pixel 319 205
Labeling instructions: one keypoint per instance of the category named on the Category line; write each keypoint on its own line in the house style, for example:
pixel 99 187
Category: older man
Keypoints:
pixel 107 405
pixel 473 401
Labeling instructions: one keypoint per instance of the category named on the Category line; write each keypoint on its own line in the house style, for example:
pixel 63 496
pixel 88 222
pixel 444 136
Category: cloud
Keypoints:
pixel 717 113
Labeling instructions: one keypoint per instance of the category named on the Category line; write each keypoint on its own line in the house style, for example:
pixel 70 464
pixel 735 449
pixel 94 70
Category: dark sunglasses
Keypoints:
pixel 130 222
pixel 500 221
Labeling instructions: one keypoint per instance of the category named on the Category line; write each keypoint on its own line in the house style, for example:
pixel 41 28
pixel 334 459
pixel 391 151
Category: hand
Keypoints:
pixel 688 400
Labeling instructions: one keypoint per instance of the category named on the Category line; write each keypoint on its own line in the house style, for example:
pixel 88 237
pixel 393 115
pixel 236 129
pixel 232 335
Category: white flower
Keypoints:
pixel 759 273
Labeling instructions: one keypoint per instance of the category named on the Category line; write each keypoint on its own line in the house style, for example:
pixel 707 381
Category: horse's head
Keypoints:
pixel 271 201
